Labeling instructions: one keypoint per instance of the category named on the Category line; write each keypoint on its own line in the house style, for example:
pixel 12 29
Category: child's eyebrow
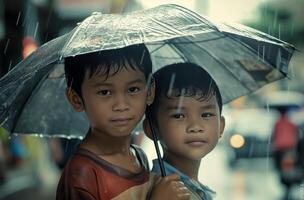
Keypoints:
pixel 205 107
pixel 139 80
pixel 98 84
pixel 209 106
pixel 175 108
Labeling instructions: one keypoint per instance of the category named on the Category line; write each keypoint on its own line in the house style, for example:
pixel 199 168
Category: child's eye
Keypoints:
pixel 104 92
pixel 207 115
pixel 178 116
pixel 133 89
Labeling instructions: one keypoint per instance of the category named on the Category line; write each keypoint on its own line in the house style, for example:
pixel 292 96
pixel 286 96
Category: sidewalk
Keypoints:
pixel 25 183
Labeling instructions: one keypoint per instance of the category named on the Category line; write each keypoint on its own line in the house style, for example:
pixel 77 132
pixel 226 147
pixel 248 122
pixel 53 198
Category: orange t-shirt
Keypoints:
pixel 87 176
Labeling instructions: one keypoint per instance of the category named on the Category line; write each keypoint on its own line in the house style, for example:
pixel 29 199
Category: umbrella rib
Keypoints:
pixel 178 52
pixel 173 47
pixel 154 50
pixel 197 16
pixel 29 96
pixel 70 40
pixel 199 41
pixel 167 26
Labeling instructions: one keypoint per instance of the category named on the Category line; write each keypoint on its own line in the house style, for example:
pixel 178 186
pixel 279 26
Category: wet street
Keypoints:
pixel 249 179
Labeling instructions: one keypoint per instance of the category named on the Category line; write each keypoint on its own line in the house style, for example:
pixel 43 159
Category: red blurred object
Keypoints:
pixel 28 46
pixel 287 164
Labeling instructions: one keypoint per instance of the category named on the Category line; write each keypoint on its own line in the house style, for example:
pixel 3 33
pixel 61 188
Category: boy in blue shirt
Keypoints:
pixel 186 116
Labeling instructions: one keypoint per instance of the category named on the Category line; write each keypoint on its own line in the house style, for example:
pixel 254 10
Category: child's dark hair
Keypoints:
pixel 183 79
pixel 136 56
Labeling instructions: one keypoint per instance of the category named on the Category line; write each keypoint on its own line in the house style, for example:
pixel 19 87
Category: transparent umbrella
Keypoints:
pixel 240 59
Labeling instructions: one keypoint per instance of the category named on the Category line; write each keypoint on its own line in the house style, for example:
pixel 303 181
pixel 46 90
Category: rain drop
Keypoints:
pixel 278 61
pixel 149 81
pixel 263 53
pixel 292 29
pixel 172 80
pixel 142 57
pixel 279 31
pixel 36 28
pixel 70 87
pixel 10 65
pixel 18 18
pixel 6 45
pixel 181 99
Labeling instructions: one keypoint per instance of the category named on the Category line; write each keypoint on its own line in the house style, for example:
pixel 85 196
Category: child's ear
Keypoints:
pixel 147 128
pixel 151 93
pixel 222 126
pixel 74 100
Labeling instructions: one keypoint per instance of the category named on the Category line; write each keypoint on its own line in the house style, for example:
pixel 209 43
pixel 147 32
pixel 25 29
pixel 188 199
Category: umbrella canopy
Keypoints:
pixel 239 58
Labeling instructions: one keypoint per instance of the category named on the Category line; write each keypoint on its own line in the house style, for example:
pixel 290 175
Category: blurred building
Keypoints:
pixel 43 20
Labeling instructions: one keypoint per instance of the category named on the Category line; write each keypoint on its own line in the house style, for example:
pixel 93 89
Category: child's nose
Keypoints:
pixel 194 126
pixel 120 103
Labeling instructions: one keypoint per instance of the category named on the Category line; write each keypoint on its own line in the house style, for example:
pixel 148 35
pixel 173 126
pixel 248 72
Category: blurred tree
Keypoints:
pixel 282 19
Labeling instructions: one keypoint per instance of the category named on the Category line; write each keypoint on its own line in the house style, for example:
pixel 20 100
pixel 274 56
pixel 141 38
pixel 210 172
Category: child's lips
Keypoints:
pixel 196 142
pixel 121 121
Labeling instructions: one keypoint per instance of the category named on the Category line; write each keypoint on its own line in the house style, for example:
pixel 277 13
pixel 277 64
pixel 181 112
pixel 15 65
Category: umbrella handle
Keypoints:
pixel 160 161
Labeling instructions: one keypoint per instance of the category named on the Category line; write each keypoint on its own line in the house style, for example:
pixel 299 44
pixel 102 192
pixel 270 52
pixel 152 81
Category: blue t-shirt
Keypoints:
pixel 201 190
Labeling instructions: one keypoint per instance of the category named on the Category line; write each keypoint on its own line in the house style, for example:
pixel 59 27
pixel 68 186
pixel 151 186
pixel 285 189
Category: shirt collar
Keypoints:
pixel 198 188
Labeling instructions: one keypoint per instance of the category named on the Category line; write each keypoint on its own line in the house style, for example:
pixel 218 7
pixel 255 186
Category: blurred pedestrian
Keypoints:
pixel 62 149
pixel 285 136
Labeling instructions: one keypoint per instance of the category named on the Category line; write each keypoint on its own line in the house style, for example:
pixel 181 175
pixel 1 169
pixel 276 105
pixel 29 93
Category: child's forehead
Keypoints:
pixel 184 99
pixel 103 72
